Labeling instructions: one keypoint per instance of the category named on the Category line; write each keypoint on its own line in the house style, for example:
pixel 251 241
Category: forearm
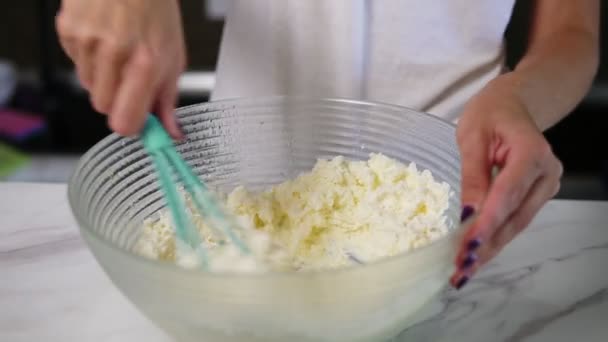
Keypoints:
pixel 554 77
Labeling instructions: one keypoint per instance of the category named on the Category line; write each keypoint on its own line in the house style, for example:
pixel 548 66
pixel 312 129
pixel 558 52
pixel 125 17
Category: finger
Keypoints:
pixel 460 276
pixel 544 189
pixel 166 109
pixel 508 190
pixel 476 164
pixel 134 96
pixel 110 60
pixel 66 39
pixel 476 170
pixel 506 193
pixel 85 62
pixel 69 46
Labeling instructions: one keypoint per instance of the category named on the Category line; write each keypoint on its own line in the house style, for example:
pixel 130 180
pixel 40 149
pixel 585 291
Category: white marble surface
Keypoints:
pixel 550 284
pixel 46 168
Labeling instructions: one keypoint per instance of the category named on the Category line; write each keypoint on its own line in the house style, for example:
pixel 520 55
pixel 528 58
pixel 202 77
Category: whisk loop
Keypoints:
pixel 167 161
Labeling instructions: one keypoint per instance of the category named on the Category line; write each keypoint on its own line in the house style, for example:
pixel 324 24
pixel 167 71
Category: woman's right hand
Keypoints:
pixel 128 55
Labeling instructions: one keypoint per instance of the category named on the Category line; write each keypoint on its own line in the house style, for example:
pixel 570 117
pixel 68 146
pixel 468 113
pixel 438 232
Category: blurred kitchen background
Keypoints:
pixel 46 121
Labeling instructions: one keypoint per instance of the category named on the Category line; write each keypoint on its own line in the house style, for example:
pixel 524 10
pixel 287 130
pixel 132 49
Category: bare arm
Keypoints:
pixel 561 60
pixel 501 127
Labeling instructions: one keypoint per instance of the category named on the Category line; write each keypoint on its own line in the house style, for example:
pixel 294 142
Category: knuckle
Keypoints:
pixel 86 38
pixel 80 38
pixel 144 61
pixel 63 26
pixel 474 184
pixel 539 156
pixel 112 47
pixel 512 194
pixel 474 188
pixel 543 150
pixel 556 188
pixel 122 127
pixel 100 104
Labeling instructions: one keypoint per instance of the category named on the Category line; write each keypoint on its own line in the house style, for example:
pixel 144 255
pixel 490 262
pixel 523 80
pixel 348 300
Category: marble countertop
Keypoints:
pixel 550 284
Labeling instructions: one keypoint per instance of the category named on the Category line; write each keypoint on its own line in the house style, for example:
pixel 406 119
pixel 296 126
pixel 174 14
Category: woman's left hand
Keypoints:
pixel 497 131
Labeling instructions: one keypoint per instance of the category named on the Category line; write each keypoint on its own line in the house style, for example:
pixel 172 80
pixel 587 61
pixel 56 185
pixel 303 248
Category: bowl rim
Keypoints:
pixel 275 99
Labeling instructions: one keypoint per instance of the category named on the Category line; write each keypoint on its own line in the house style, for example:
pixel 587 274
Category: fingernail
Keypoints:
pixel 469 261
pixel 467 212
pixel 462 282
pixel 473 244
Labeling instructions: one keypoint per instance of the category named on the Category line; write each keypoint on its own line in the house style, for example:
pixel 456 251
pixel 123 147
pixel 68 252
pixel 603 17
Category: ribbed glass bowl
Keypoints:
pixel 258 143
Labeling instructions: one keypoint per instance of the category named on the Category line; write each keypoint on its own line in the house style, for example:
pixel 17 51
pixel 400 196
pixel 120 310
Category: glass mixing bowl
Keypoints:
pixel 258 143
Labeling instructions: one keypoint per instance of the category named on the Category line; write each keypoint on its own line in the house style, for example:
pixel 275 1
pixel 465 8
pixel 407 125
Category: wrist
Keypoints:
pixel 508 85
pixel 509 88
pixel 501 100
pixel 522 88
pixel 503 90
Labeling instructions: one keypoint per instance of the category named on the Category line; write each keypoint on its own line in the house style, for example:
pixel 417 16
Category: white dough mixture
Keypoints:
pixel 341 213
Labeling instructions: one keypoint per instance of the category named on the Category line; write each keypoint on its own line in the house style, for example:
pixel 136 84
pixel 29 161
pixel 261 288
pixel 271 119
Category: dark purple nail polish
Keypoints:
pixel 467 212
pixel 469 261
pixel 473 244
pixel 462 282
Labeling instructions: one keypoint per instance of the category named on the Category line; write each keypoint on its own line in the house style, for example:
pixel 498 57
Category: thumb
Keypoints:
pixel 476 166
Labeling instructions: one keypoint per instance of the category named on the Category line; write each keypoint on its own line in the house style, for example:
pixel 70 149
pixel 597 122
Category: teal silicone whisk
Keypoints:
pixel 168 162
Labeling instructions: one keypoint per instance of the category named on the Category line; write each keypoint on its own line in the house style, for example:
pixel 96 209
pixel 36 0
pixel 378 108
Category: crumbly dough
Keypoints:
pixel 341 213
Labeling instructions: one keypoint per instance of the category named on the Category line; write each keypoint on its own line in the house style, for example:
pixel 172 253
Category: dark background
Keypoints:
pixel 28 39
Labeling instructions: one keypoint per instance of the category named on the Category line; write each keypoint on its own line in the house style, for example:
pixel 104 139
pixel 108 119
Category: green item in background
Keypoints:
pixel 10 160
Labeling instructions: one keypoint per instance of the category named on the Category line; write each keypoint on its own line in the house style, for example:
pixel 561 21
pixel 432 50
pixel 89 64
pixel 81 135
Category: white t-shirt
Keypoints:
pixel 430 55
